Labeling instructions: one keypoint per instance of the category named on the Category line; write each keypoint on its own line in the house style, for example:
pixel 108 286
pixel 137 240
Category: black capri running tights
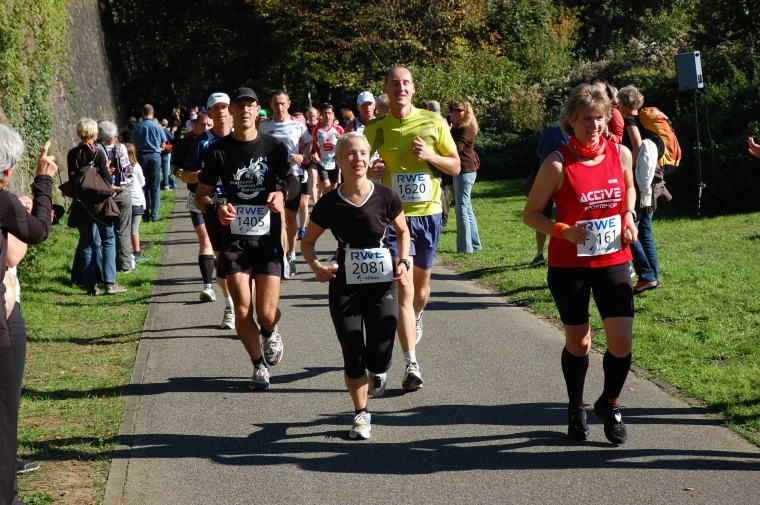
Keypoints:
pixel 572 287
pixel 375 307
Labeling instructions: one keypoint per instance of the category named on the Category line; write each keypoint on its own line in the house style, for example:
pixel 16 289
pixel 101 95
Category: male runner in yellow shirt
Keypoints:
pixel 415 146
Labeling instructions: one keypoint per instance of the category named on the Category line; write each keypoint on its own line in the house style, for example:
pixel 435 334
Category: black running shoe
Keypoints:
pixel 614 429
pixel 577 429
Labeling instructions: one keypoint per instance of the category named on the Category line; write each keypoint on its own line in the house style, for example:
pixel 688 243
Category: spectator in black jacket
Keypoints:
pixel 31 229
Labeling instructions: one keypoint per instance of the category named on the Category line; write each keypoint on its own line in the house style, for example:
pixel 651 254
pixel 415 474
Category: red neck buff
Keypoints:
pixel 590 152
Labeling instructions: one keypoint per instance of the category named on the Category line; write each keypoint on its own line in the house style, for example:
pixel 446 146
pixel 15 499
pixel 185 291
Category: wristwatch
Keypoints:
pixel 632 212
pixel 285 192
pixel 406 263
pixel 210 208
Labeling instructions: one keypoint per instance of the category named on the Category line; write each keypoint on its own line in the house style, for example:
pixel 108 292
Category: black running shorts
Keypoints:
pixel 331 175
pixel 572 287
pixel 261 257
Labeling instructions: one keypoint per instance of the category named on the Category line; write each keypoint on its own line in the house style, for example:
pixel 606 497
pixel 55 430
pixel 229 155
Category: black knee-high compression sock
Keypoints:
pixel 574 369
pixel 615 373
pixel 207 262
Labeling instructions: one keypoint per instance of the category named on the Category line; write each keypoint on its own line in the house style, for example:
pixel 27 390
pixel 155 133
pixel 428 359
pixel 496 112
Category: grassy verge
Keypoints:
pixel 701 333
pixel 80 355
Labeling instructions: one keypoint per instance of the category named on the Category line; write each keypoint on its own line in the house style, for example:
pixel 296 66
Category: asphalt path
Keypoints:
pixel 489 426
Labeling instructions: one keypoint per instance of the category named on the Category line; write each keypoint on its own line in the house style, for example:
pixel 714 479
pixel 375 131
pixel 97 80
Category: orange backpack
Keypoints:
pixel 655 121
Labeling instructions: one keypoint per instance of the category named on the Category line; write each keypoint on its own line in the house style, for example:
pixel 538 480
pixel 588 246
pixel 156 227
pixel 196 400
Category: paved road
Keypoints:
pixel 489 426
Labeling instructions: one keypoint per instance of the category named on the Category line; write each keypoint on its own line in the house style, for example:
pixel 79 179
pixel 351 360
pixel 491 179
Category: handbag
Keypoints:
pixel 90 183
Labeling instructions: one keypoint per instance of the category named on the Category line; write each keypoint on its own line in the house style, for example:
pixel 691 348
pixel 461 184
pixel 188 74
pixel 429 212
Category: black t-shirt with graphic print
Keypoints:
pixel 249 172
pixel 358 227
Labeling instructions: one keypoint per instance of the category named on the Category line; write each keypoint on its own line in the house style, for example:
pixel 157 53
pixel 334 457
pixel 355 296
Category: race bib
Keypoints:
pixel 413 187
pixel 603 237
pixel 327 163
pixel 191 203
pixel 367 266
pixel 250 220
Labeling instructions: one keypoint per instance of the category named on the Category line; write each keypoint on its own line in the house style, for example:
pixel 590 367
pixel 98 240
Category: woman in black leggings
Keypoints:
pixel 363 291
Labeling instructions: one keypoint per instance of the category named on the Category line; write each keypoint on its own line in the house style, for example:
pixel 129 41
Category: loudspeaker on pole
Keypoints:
pixel 689 70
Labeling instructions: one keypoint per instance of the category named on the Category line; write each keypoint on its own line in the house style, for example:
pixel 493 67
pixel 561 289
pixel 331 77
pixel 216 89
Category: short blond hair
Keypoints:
pixel 631 97
pixel 584 97
pixel 341 144
pixel 87 129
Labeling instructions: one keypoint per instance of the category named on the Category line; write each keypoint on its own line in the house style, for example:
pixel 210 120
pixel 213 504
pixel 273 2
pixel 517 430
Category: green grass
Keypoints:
pixel 80 356
pixel 700 333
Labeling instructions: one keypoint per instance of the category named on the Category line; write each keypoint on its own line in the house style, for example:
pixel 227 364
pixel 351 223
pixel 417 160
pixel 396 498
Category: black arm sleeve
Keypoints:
pixel 31 228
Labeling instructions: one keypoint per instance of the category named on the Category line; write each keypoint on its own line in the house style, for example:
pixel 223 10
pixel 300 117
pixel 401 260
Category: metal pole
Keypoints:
pixel 699 158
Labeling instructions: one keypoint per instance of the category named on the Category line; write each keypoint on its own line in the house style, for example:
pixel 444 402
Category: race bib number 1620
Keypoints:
pixel 413 187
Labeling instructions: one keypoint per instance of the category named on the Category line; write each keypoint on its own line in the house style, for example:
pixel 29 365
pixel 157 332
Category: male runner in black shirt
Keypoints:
pixel 249 164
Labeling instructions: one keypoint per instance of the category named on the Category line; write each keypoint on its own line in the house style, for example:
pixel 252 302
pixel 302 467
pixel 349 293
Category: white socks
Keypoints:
pixel 228 301
pixel 410 356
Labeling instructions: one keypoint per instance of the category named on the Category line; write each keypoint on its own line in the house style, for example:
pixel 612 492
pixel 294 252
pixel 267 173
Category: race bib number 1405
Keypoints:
pixel 250 220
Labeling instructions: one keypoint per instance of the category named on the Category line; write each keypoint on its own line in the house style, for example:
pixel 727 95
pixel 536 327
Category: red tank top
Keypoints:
pixel 595 194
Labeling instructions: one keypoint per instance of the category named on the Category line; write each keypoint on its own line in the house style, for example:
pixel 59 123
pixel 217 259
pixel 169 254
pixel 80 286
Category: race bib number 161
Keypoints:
pixel 603 237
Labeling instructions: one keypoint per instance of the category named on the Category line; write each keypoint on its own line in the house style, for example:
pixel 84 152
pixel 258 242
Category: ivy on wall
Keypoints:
pixel 34 42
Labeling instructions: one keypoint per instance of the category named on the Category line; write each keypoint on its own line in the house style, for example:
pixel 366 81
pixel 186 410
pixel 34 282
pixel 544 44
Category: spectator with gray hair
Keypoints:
pixel 118 159
pixel 29 228
pixel 93 215
pixel 434 106
pixel 382 105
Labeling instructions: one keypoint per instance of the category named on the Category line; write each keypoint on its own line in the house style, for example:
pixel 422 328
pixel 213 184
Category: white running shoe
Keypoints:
pixel 292 267
pixel 412 378
pixel 377 383
pixel 362 426
pixel 285 268
pixel 228 320
pixel 208 294
pixel 272 348
pixel 260 379
pixel 418 328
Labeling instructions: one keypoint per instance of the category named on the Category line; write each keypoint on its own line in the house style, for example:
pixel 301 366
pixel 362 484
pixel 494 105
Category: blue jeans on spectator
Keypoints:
pixel 88 235
pixel 468 239
pixel 151 165
pixel 644 251
pixel 166 160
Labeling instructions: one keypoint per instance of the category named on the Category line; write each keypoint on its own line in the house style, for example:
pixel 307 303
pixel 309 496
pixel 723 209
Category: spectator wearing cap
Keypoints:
pixel 365 104
pixel 150 140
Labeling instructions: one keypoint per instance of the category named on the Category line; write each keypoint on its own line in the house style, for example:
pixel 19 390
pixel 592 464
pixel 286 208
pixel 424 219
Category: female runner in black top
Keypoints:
pixel 363 291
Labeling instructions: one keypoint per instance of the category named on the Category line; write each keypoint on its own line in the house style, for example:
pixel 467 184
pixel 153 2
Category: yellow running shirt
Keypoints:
pixel 414 180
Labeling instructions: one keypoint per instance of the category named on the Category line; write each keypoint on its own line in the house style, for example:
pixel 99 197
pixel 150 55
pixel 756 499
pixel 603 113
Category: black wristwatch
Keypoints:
pixel 285 192
pixel 406 264
pixel 211 208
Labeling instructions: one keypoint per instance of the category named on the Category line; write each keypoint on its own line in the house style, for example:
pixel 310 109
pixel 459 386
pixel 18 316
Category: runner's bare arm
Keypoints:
pixel 308 251
pixel 448 164
pixel 548 182
pixel 630 231
pixel 403 241
pixel 203 196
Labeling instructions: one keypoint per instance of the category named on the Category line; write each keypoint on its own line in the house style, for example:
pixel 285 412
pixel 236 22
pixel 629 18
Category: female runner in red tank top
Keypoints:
pixel 591 182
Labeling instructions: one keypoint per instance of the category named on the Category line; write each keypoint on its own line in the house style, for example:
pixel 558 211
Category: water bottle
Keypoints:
pixel 134 264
